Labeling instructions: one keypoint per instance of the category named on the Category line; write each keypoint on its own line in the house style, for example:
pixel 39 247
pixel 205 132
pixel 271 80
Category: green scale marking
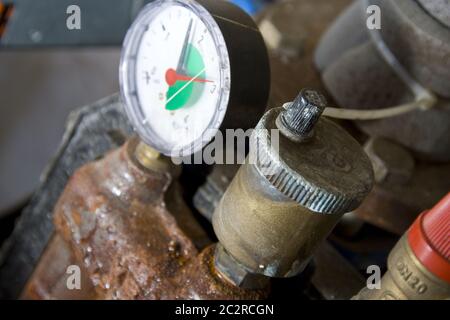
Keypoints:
pixel 189 95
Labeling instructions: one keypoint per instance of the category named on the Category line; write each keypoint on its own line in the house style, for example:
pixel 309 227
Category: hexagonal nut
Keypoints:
pixel 391 162
pixel 236 273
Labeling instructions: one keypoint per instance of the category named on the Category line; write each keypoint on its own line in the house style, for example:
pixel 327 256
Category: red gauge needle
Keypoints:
pixel 172 76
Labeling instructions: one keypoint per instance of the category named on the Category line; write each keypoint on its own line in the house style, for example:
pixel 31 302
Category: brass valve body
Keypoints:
pixel 282 204
pixel 419 264
pixel 265 230
pixel 406 279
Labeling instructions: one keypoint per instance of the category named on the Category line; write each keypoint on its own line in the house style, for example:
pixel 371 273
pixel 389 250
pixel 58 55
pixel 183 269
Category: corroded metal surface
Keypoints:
pixel 90 132
pixel 199 280
pixel 49 279
pixel 115 251
pixel 114 217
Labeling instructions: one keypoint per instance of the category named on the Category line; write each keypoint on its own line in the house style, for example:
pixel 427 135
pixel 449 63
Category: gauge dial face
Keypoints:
pixel 175 76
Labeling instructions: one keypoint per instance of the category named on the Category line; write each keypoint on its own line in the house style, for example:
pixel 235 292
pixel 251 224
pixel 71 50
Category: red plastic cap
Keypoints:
pixel 429 239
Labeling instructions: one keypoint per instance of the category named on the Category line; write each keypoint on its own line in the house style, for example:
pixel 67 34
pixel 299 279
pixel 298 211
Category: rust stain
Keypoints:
pixel 114 217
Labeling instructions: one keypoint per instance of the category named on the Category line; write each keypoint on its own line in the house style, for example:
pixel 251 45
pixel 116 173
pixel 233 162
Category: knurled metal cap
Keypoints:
pixel 303 113
pixel 328 173
pixel 429 239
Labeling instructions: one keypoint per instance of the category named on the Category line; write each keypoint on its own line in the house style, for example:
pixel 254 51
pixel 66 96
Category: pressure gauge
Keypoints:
pixel 184 66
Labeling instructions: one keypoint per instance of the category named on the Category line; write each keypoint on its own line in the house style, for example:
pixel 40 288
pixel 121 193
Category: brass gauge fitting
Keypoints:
pixel 419 264
pixel 281 206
